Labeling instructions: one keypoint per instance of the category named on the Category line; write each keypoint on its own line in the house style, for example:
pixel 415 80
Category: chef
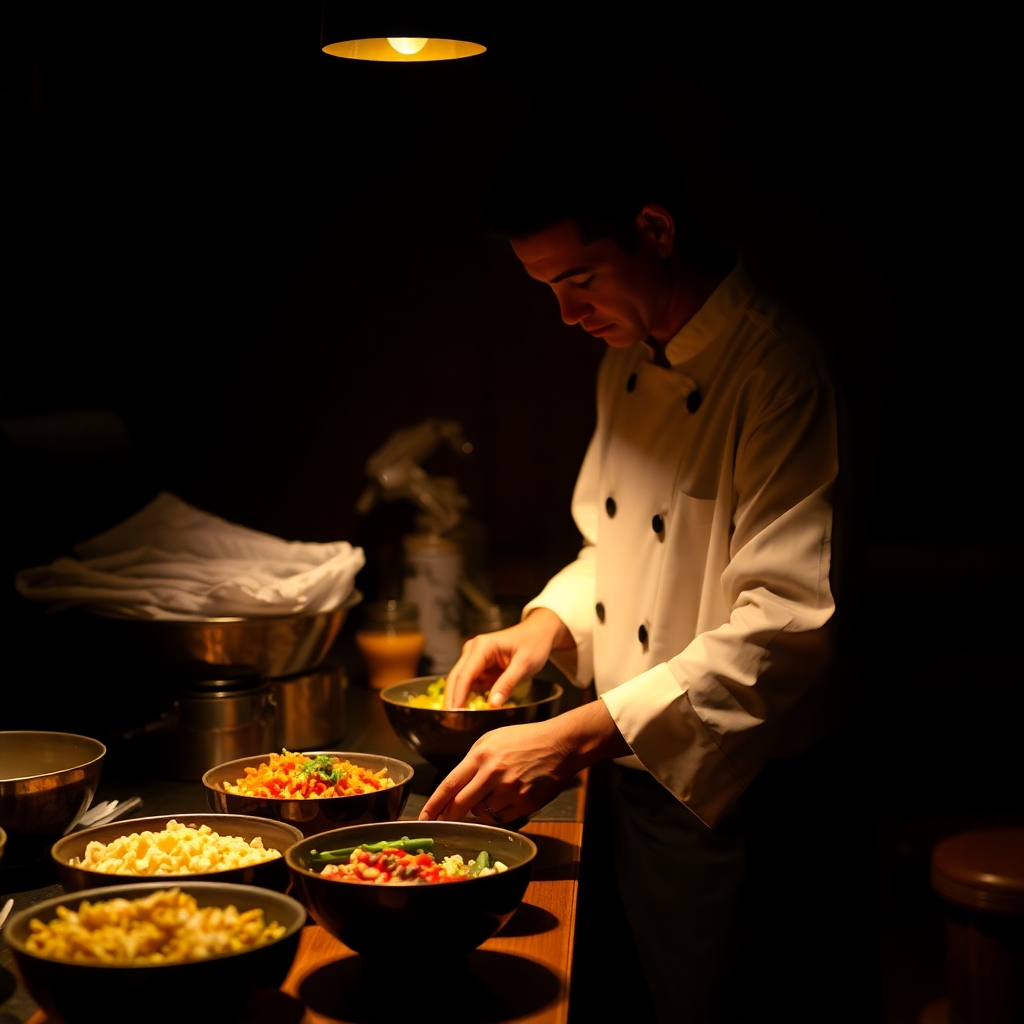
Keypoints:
pixel 700 603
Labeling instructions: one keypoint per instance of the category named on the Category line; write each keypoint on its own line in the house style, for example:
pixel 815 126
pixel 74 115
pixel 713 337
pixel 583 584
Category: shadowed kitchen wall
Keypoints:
pixel 264 259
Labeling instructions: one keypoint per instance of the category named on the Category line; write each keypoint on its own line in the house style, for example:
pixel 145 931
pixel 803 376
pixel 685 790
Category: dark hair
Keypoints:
pixel 598 174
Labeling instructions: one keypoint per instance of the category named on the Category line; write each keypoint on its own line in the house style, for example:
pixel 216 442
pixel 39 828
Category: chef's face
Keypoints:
pixel 621 297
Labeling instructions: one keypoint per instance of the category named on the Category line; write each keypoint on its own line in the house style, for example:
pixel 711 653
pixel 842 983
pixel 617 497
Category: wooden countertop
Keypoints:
pixel 521 975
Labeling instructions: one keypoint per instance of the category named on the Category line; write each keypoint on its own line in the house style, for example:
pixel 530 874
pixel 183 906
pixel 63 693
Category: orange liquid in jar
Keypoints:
pixel 390 657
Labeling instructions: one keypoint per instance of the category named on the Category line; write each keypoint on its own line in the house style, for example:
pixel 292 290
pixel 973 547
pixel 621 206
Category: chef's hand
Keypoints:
pixel 512 772
pixel 499 660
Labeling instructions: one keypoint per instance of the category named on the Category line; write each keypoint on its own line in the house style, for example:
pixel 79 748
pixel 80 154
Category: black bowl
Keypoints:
pixel 89 992
pixel 270 874
pixel 380 920
pixel 314 816
pixel 47 781
pixel 444 737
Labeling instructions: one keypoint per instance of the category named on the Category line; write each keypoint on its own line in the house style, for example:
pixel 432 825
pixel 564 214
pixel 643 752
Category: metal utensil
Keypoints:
pixel 6 910
pixel 92 815
pixel 119 810
pixel 101 813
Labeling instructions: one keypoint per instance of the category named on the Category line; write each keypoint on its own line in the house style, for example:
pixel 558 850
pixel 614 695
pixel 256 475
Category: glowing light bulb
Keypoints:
pixel 407 44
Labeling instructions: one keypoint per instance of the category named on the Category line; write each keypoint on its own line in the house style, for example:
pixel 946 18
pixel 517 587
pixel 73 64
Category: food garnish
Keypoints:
pixel 291 776
pixel 402 862
pixel 404 844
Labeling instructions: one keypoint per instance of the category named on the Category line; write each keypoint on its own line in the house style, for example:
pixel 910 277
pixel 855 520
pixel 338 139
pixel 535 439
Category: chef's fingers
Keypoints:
pixel 518 669
pixel 480 658
pixel 458 683
pixel 466 798
pixel 439 801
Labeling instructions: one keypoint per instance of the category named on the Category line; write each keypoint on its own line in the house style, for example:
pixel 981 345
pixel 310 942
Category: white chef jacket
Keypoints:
pixel 700 602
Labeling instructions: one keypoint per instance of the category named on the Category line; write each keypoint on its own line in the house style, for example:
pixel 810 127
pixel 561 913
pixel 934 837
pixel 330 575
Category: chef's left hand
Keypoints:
pixel 512 772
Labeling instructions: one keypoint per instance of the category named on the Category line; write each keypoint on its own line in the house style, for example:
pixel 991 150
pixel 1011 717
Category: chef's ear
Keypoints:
pixel 656 224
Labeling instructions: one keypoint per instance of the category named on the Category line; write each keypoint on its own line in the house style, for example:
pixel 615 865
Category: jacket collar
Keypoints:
pixel 713 320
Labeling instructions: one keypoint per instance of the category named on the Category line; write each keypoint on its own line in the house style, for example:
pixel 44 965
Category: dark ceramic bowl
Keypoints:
pixel 314 816
pixel 271 874
pixel 380 920
pixel 47 781
pixel 211 989
pixel 444 737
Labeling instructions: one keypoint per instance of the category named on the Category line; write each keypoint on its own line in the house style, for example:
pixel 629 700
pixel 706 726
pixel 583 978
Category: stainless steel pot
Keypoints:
pixel 274 646
pixel 310 708
pixel 205 728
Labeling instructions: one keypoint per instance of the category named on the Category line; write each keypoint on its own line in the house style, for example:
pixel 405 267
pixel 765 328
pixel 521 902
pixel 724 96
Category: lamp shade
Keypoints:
pixel 393 36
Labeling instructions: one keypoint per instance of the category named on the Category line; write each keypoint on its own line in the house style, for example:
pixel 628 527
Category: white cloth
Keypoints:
pixel 173 561
pixel 733 594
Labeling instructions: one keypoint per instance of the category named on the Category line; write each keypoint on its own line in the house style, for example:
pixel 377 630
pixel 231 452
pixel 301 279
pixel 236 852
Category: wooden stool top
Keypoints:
pixel 981 870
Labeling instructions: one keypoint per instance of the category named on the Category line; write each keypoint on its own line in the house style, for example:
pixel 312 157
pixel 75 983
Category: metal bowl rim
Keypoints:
pixel 343 755
pixel 556 693
pixel 254 818
pixel 60 771
pixel 111 893
pixel 354 598
pixel 290 852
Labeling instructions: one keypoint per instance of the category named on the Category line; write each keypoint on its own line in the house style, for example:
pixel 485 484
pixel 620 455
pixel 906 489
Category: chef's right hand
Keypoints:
pixel 499 660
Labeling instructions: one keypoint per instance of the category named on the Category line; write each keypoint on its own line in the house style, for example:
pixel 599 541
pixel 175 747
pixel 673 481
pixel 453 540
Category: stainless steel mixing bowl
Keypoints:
pixel 47 780
pixel 274 646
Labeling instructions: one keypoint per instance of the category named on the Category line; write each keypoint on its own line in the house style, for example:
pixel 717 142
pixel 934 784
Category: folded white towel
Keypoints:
pixel 174 561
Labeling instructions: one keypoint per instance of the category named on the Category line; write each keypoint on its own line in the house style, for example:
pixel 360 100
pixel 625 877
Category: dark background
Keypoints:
pixel 234 265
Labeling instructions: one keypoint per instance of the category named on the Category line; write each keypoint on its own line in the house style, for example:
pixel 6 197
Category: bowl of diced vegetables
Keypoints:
pixel 315 791
pixel 442 735
pixel 458 882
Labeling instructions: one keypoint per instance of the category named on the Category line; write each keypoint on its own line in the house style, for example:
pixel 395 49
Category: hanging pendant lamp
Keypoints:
pixel 400 37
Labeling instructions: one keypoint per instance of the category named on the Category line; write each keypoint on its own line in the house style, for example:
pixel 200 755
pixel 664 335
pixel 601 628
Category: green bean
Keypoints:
pixel 482 861
pixel 342 856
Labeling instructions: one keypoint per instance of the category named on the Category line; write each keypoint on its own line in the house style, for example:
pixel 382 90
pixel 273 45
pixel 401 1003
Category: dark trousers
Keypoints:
pixel 769 916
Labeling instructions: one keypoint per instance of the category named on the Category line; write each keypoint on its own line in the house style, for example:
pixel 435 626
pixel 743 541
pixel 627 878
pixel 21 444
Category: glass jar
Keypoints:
pixel 390 641
pixel 479 620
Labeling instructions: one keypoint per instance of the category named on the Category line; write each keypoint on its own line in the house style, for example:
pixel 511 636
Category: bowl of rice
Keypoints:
pixel 314 791
pixel 173 848
pixel 198 950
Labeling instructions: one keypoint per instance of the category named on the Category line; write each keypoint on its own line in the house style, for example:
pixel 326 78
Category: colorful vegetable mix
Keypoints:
pixel 403 861
pixel 404 844
pixel 290 776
